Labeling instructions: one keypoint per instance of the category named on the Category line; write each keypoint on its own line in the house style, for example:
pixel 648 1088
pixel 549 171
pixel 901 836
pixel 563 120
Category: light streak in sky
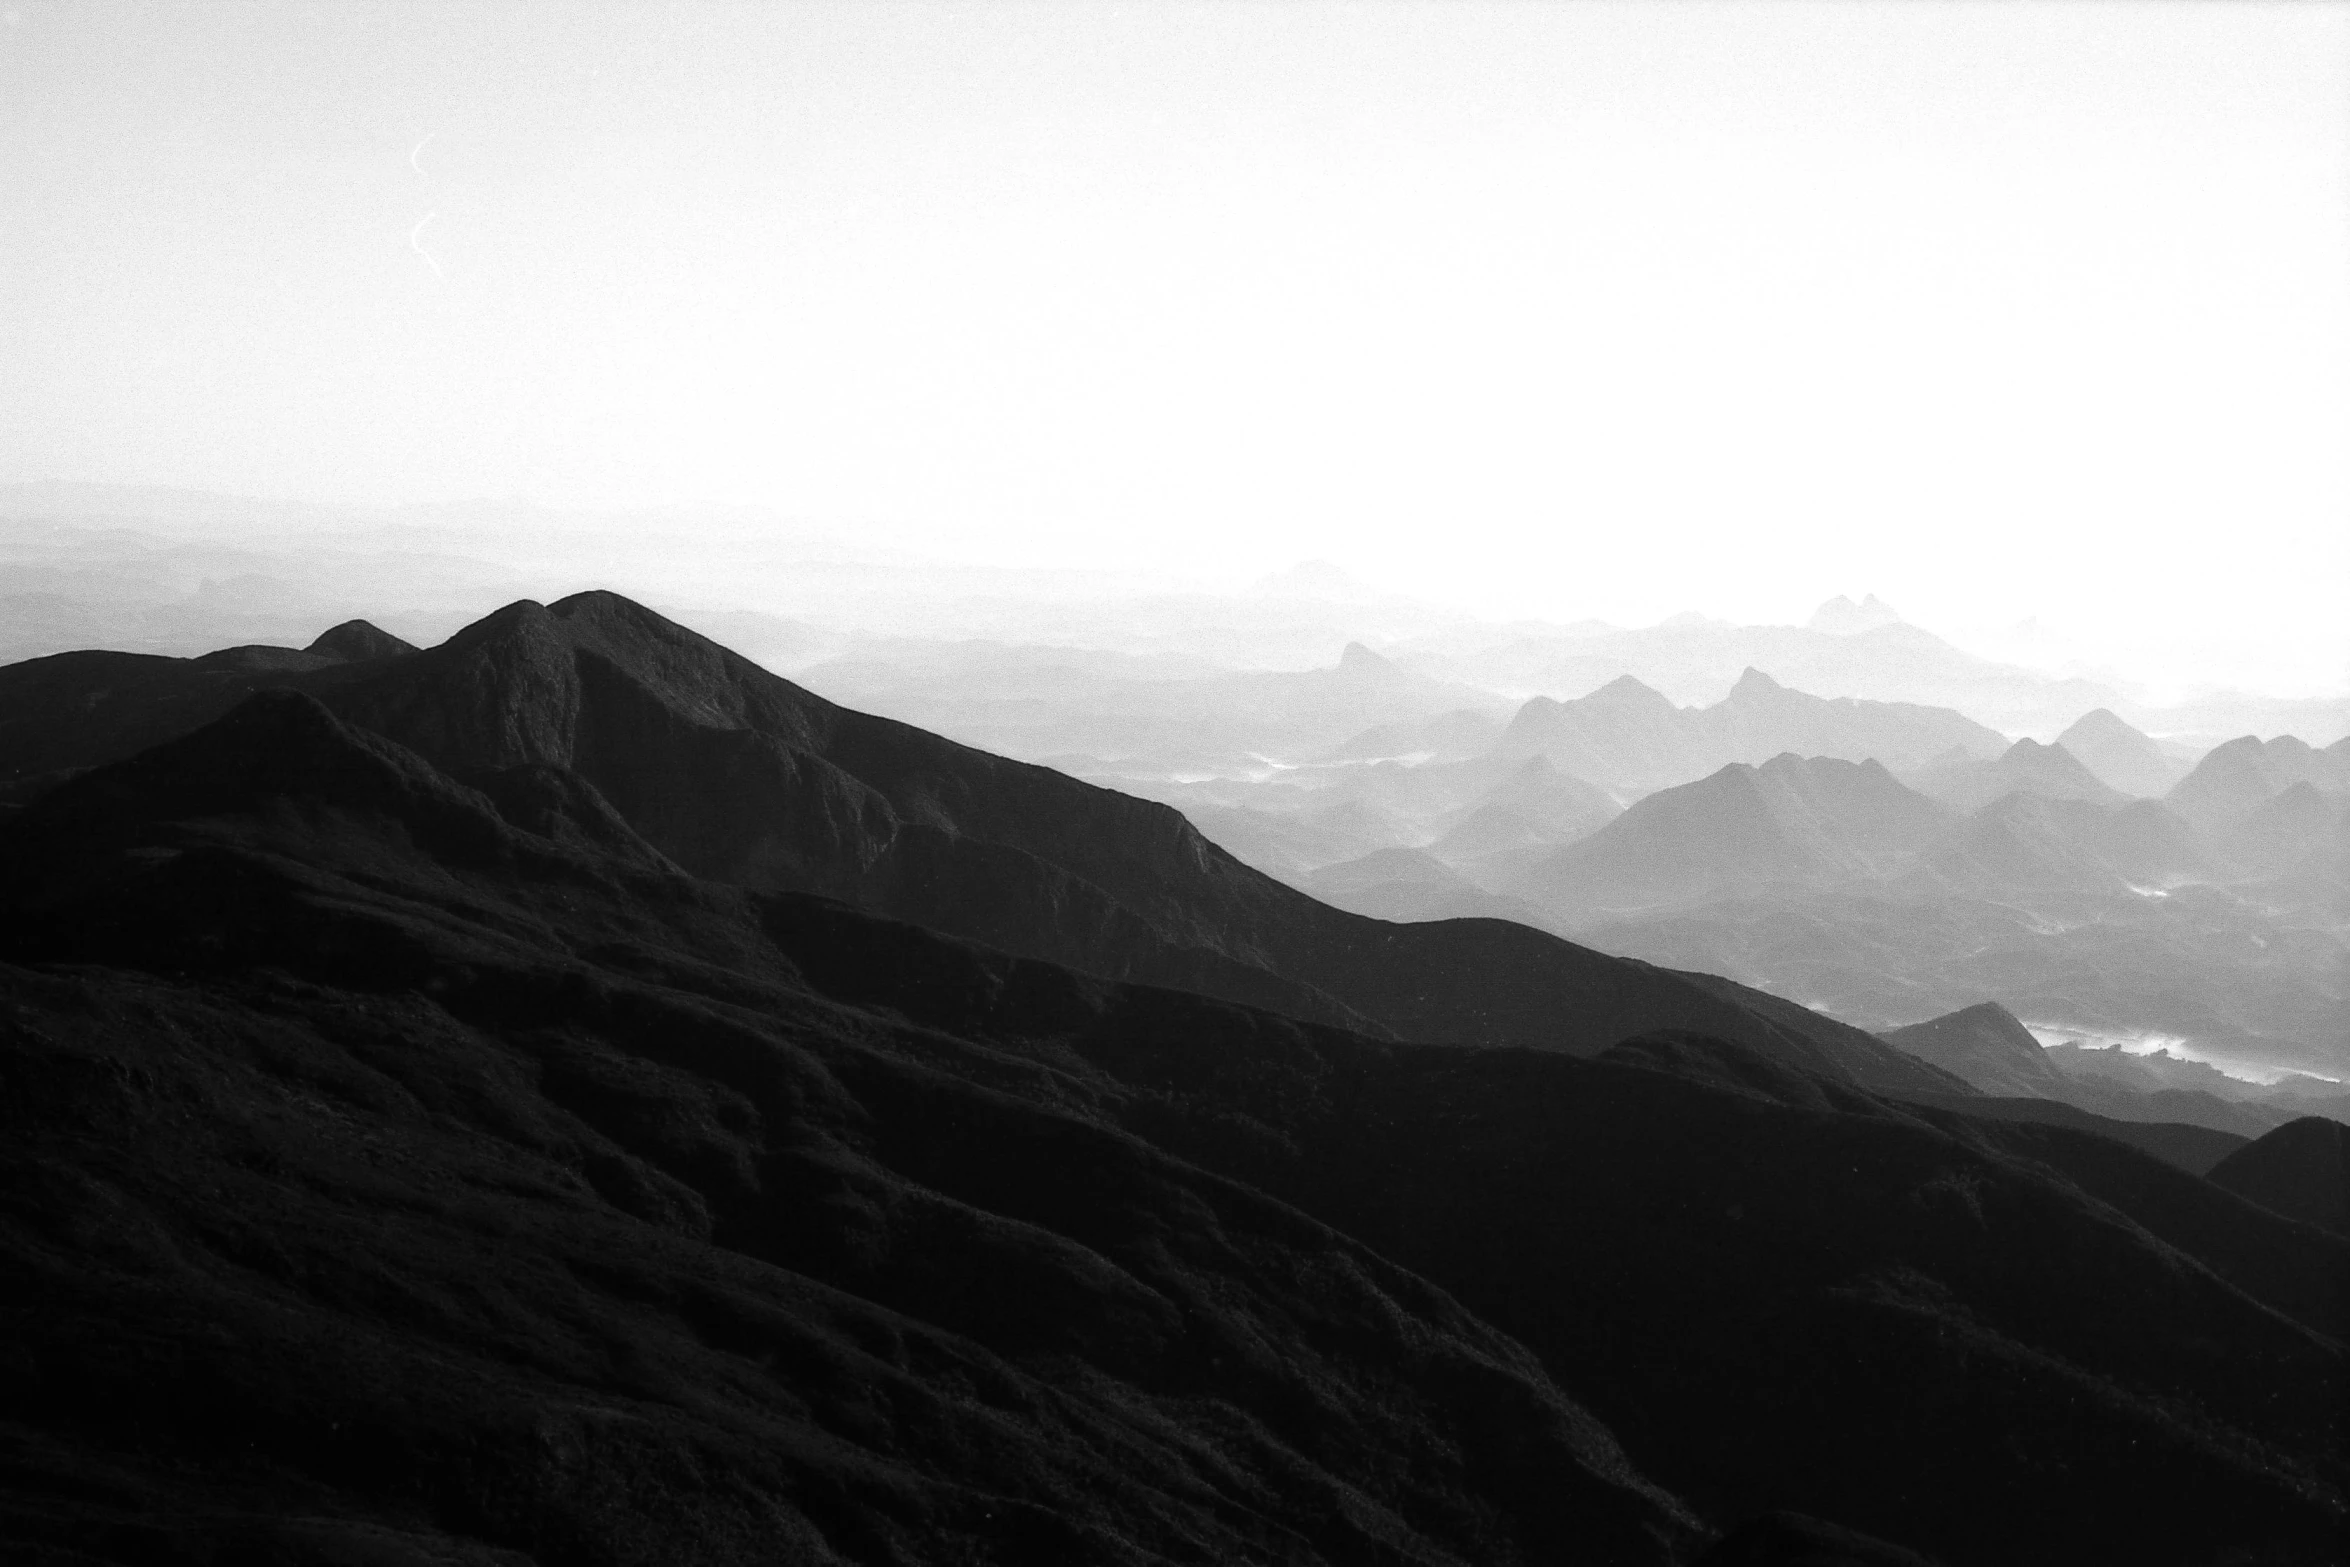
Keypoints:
pixel 417 149
pixel 419 249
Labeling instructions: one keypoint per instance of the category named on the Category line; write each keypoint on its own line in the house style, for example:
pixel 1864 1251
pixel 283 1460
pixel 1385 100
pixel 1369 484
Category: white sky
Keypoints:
pixel 1996 310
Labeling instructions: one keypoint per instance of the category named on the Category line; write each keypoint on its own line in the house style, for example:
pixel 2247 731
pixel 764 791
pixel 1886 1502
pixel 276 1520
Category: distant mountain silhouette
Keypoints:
pixel 1841 617
pixel 1986 1045
pixel 2120 756
pixel 408 1168
pixel 1533 808
pixel 2048 772
pixel 742 777
pixel 1626 734
pixel 2234 778
pixel 2297 830
pixel 1793 821
pixel 2301 1170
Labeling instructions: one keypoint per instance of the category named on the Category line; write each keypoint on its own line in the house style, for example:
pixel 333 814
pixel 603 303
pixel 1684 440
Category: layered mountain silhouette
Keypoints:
pixel 2233 779
pixel 739 776
pixel 407 1166
pixel 1627 735
pixel 2047 772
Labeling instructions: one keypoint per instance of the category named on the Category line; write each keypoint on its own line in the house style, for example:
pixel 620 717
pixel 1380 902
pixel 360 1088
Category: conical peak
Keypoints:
pixel 1625 691
pixel 1360 660
pixel 1754 683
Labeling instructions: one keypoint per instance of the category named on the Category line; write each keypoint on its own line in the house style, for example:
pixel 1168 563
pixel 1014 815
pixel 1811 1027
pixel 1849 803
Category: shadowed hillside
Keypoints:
pixel 431 1170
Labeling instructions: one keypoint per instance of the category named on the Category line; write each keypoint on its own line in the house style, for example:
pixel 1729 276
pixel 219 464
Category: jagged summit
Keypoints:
pixel 1840 616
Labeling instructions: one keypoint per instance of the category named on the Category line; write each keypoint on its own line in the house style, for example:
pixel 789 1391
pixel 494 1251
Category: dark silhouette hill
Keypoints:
pixel 403 1168
pixel 2301 1170
pixel 75 710
pixel 426 1186
pixel 2187 1145
pixel 2122 756
pixel 742 777
pixel 1986 1045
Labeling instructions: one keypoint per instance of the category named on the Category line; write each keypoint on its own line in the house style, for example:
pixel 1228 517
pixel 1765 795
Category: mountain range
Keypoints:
pixel 570 1095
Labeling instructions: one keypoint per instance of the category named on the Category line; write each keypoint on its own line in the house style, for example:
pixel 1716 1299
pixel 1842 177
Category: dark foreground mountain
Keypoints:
pixel 2301 1170
pixel 740 776
pixel 400 1170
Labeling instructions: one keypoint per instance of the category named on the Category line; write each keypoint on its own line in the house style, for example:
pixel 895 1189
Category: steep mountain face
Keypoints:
pixel 1986 1045
pixel 1794 821
pixel 2122 757
pixel 390 1183
pixel 2046 772
pixel 409 1170
pixel 2301 1170
pixel 742 777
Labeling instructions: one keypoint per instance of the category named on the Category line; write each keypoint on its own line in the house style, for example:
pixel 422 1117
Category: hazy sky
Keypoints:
pixel 1995 310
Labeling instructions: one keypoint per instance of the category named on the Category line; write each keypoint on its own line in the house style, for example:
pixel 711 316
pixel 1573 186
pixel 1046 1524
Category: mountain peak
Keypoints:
pixel 1360 660
pixel 1625 691
pixel 1754 683
pixel 357 641
pixel 1841 617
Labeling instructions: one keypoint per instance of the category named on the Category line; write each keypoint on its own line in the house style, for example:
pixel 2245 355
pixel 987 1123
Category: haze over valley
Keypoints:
pixel 1369 783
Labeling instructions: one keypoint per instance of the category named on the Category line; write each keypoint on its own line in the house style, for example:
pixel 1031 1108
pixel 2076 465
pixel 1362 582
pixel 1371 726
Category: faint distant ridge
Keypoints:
pixel 1840 617
pixel 1310 579
pixel 1628 735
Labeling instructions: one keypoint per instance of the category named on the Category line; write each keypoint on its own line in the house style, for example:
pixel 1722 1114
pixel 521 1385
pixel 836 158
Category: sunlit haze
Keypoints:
pixel 2002 312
